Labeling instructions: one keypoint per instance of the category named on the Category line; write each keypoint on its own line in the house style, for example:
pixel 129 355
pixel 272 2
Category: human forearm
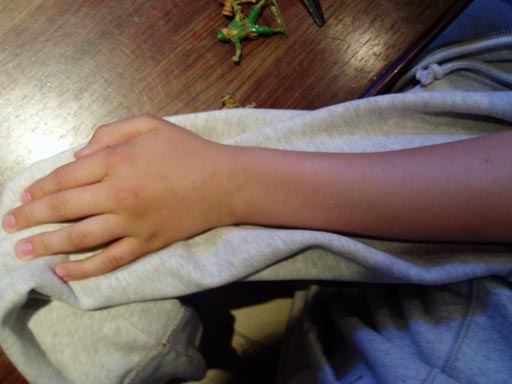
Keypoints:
pixel 454 191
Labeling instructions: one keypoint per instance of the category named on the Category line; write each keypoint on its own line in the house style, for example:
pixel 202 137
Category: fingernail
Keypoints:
pixel 62 272
pixel 26 197
pixel 24 250
pixel 9 221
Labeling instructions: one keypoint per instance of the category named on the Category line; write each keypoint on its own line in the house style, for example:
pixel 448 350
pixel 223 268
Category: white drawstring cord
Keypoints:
pixel 428 68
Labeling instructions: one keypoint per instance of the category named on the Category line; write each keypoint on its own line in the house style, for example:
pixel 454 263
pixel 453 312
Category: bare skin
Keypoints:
pixel 144 183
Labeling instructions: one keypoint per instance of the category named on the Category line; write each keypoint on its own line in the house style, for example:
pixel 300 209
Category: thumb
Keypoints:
pixel 110 135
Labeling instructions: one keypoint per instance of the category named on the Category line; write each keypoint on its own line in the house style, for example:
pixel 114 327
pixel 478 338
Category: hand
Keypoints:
pixel 138 186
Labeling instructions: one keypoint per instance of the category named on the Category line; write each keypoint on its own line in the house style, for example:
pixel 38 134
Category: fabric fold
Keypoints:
pixel 45 334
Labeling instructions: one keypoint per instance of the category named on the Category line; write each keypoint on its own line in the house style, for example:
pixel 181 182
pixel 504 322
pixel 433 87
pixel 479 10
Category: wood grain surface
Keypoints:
pixel 67 66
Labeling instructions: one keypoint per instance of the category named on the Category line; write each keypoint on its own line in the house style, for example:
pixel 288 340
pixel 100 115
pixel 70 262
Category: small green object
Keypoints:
pixel 222 37
pixel 243 27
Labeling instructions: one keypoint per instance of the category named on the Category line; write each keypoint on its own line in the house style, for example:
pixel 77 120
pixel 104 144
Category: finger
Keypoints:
pixel 110 135
pixel 86 234
pixel 120 253
pixel 72 175
pixel 62 206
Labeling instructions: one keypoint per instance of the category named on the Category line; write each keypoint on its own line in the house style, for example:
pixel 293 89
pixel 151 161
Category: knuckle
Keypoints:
pixel 58 203
pixel 127 196
pixel 78 238
pixel 152 242
pixel 113 261
pixel 24 216
pixel 38 189
pixel 58 178
pixel 119 157
pixel 42 245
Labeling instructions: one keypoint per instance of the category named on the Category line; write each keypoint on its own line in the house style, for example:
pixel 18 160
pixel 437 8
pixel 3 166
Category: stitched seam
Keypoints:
pixel 431 376
pixel 162 348
pixel 449 364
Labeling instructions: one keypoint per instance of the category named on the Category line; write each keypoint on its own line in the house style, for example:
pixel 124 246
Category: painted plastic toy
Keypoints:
pixel 228 6
pixel 228 102
pixel 245 27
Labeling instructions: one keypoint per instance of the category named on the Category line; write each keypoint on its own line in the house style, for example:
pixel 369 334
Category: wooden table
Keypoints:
pixel 67 66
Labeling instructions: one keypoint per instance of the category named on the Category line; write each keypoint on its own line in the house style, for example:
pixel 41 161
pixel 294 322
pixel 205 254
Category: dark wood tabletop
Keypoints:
pixel 67 66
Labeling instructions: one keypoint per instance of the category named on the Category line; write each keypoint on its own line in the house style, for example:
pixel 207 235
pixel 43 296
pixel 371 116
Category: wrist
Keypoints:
pixel 232 178
pixel 244 169
pixel 263 184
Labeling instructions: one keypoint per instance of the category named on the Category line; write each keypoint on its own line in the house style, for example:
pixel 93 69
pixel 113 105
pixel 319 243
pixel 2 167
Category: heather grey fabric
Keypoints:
pixel 45 352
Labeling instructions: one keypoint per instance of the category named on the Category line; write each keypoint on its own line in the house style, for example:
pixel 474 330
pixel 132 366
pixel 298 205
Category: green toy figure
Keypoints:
pixel 245 27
